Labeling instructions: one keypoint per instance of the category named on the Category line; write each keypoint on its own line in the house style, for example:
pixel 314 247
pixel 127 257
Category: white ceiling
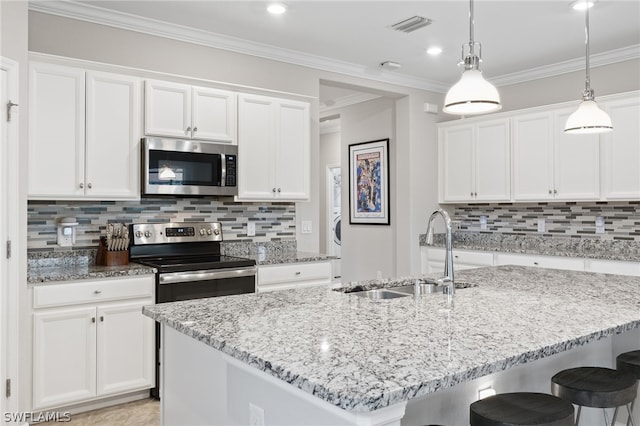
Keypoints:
pixel 521 39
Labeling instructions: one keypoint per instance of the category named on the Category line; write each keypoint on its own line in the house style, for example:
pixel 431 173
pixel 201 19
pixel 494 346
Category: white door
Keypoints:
pixel 456 162
pixel 577 162
pixel 56 131
pixel 292 150
pixel 113 136
pixel 9 143
pixel 214 115
pixel 64 356
pixel 167 109
pixel 492 161
pixel 256 140
pixel 532 148
pixel 125 354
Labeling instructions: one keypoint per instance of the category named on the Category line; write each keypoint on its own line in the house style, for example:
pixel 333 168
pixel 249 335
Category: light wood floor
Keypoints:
pixel 145 412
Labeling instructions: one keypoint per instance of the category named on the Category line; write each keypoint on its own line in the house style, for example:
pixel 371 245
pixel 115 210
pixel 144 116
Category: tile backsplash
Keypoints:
pixel 571 219
pixel 274 221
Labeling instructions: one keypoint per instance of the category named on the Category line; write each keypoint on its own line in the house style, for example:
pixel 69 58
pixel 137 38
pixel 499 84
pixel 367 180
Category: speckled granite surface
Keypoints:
pixel 544 245
pixel 362 355
pixel 287 257
pixel 50 267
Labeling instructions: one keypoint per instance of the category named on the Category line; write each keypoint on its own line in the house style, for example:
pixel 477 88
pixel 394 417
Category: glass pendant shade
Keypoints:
pixel 589 118
pixel 472 94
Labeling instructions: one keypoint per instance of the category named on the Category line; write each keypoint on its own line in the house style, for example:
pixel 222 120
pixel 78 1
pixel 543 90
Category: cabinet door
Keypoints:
pixel 455 148
pixel 64 355
pixel 113 135
pixel 621 151
pixel 292 171
pixel 577 163
pixel 492 161
pixel 214 115
pixel 532 146
pixel 56 131
pixel 125 358
pixel 167 109
pixel 256 142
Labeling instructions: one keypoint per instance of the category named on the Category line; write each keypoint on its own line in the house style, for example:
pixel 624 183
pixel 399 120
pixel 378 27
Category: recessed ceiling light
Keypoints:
pixel 434 51
pixel 582 4
pixel 277 8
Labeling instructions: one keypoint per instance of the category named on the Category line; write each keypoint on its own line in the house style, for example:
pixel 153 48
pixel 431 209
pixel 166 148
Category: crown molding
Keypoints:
pixel 97 15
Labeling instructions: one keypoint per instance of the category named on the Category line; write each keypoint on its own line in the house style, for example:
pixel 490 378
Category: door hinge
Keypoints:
pixel 8 249
pixel 7 390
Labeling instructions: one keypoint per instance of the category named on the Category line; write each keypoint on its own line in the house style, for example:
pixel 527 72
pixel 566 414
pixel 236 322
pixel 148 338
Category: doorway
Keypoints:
pixel 334 217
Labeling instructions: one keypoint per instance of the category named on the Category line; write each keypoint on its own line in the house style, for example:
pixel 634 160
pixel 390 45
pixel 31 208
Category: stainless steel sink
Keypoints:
pixel 423 288
pixel 380 294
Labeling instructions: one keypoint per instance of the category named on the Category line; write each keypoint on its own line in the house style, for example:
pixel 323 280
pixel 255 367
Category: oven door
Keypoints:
pixel 175 286
pixel 177 167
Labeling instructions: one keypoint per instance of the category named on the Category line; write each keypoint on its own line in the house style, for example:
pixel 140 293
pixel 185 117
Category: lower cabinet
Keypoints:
pixel 553 262
pixel 91 340
pixel 293 275
pixel 462 259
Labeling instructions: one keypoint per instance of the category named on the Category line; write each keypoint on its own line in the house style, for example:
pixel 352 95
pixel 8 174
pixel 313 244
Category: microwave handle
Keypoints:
pixel 223 170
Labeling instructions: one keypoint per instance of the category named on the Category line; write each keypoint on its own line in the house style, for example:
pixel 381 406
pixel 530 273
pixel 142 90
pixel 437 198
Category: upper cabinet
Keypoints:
pixel 621 150
pixel 549 164
pixel 273 149
pixel 475 162
pixel 546 164
pixel 189 112
pixel 84 131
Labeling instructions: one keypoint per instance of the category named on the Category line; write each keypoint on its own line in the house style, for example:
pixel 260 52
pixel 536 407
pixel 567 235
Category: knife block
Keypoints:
pixel 110 258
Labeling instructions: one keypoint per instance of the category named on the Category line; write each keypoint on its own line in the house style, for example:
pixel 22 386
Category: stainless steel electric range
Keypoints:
pixel 190 266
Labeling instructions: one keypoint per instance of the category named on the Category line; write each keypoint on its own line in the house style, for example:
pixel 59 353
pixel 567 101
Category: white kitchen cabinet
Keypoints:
pixel 90 340
pixel 613 267
pixel 189 112
pixel 84 130
pixel 549 164
pixel 293 275
pixel 273 148
pixel 553 262
pixel 462 259
pixel 621 150
pixel 475 162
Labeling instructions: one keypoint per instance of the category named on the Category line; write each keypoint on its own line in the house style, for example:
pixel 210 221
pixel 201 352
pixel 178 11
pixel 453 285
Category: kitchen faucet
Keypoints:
pixel 448 259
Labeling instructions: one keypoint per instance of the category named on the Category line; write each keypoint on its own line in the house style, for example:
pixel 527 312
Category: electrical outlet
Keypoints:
pixel 483 222
pixel 599 225
pixel 251 229
pixel 256 415
pixel 542 226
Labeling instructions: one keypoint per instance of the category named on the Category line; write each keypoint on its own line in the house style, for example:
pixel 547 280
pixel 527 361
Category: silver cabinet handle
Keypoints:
pixel 93 319
pixel 279 190
pixel 471 194
pixel 89 185
pixel 81 185
pixel 535 263
pixel 195 129
pixel 186 132
pixel 297 272
pixel 274 190
pixel 555 191
pixel 550 192
pixel 185 277
pixel 475 194
pixel 101 318
pixel 97 291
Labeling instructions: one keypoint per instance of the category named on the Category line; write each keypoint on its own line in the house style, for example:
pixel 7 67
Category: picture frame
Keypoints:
pixel 369 183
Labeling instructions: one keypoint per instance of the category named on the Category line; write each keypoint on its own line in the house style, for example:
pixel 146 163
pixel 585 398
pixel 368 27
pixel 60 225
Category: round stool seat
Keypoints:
pixel 629 362
pixel 521 408
pixel 595 387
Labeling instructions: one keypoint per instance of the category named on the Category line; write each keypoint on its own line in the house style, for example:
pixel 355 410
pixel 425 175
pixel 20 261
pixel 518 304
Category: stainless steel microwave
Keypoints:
pixel 188 168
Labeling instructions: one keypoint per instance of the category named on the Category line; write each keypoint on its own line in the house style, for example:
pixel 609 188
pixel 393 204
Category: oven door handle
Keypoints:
pixel 217 274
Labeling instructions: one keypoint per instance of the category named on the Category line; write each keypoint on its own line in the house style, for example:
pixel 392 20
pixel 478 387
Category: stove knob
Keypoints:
pixel 202 231
pixel 139 234
pixel 216 231
pixel 147 234
pixel 209 231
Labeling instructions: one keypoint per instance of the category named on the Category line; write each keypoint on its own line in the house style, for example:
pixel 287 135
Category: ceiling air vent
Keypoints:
pixel 411 24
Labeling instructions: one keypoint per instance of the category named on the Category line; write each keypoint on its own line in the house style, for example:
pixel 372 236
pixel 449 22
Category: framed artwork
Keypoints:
pixel 369 183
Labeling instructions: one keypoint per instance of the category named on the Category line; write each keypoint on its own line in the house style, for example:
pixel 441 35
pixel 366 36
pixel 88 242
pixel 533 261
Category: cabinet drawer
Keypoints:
pixel 92 291
pixel 461 257
pixel 613 267
pixel 554 262
pixel 294 272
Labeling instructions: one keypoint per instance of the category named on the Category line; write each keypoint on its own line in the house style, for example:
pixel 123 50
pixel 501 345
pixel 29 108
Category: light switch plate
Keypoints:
pixel 307 227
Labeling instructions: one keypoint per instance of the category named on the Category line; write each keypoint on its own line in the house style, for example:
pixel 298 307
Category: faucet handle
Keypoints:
pixel 447 283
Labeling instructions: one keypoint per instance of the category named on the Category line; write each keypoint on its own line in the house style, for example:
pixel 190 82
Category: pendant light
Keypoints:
pixel 589 118
pixel 472 94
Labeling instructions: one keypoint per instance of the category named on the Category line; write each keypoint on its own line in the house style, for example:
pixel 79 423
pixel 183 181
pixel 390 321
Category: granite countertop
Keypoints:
pixel 590 248
pixel 274 258
pixel 52 267
pixel 362 355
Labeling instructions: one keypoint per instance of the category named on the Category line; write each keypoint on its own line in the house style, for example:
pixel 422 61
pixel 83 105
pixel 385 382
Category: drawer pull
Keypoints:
pixel 93 319
pixel 97 292
pixel 101 318
pixel 535 263
pixel 297 272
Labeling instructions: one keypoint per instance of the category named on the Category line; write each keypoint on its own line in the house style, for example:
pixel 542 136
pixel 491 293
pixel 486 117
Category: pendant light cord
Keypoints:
pixel 471 26
pixel 588 93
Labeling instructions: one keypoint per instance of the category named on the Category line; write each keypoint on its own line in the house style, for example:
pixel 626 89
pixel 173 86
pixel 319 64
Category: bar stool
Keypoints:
pixel 629 362
pixel 520 409
pixel 595 387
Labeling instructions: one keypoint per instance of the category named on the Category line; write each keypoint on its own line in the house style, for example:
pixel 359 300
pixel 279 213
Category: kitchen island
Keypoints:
pixel 319 356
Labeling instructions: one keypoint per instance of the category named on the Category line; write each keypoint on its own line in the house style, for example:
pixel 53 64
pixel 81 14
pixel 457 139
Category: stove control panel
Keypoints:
pixel 176 232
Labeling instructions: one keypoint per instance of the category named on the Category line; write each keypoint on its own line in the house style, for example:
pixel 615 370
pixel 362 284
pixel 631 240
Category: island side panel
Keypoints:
pixel 201 385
